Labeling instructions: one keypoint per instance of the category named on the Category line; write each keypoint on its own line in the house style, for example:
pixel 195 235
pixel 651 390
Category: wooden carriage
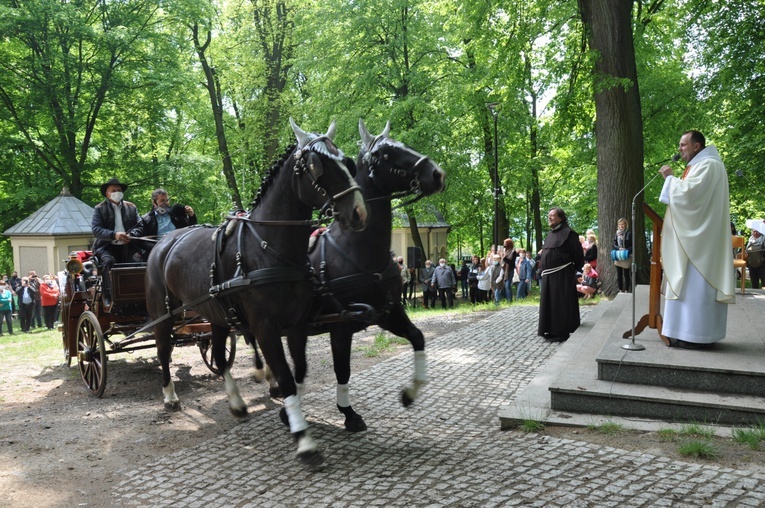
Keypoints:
pixel 91 332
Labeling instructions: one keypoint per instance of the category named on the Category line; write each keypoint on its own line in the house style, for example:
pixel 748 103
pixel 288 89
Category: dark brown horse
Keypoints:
pixel 356 267
pixel 252 273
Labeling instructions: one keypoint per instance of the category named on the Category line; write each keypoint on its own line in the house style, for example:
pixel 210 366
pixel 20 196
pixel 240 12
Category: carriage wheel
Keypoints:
pixel 205 348
pixel 91 353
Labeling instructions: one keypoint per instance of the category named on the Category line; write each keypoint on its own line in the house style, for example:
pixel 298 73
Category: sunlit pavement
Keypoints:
pixel 444 450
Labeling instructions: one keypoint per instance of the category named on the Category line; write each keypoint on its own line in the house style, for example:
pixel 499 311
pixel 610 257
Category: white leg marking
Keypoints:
pixel 343 395
pixel 234 399
pixel 420 374
pixel 295 414
pixel 306 444
pixel 420 367
pixel 169 393
pixel 300 390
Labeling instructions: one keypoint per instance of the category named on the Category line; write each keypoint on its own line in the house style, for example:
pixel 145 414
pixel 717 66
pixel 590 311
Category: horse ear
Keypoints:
pixel 366 138
pixel 331 131
pixel 386 130
pixel 314 165
pixel 351 165
pixel 300 134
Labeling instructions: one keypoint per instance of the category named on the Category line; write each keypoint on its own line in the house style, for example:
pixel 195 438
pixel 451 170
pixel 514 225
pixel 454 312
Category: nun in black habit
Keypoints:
pixel 562 256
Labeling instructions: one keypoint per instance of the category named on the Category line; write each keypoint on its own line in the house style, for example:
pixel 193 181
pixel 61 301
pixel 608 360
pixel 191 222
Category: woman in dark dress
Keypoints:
pixel 562 256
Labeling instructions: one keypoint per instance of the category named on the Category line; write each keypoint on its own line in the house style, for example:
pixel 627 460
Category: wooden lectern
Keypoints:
pixel 653 319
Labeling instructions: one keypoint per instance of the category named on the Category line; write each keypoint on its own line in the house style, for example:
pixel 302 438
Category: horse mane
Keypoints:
pixel 268 178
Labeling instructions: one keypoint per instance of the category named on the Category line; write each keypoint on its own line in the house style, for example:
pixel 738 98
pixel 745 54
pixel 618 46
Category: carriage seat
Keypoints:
pixel 128 286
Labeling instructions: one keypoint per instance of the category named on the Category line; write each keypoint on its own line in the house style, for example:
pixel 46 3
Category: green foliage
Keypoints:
pixel 699 449
pixel 697 430
pixel 383 344
pixel 609 428
pixel 91 90
pixel 749 437
pixel 531 426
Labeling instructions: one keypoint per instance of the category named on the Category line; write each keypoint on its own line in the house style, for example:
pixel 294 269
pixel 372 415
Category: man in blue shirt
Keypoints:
pixel 162 219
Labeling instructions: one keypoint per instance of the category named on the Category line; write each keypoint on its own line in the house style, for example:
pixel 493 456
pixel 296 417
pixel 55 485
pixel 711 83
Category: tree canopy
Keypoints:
pixel 194 96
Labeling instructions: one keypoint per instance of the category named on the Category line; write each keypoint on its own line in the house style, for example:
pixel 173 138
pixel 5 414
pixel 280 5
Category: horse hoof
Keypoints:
pixel 311 459
pixel 259 375
pixel 173 406
pixel 355 424
pixel 284 418
pixel 239 412
pixel 275 392
pixel 406 400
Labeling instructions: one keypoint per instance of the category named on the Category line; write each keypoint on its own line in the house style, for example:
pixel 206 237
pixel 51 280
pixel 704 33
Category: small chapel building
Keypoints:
pixel 43 241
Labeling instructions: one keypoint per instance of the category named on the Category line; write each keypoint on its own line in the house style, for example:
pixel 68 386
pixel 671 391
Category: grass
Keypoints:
pixel 530 426
pixel 39 343
pixel 668 434
pixel 697 430
pixel 747 436
pixel 608 428
pixel 383 343
pixel 699 449
pixel 751 436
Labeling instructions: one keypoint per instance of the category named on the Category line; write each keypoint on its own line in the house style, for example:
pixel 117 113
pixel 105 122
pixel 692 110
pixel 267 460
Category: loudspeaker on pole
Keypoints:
pixel 414 257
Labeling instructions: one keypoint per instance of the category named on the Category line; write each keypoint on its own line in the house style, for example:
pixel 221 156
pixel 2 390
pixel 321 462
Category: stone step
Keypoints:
pixel 593 377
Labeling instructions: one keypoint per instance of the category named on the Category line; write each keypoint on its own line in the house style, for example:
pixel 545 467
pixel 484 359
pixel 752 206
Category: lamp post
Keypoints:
pixel 493 108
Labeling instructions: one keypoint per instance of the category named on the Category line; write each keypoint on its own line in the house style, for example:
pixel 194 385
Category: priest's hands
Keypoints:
pixel 666 171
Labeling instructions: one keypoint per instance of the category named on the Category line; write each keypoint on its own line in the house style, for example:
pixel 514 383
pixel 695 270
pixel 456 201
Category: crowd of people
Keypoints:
pixel 122 235
pixel 33 301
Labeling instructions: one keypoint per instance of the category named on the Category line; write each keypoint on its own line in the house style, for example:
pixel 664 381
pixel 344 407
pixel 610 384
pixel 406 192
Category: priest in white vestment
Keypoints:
pixel 696 247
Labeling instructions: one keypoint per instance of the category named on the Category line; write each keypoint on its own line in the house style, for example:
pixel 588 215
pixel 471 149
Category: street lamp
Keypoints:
pixel 493 108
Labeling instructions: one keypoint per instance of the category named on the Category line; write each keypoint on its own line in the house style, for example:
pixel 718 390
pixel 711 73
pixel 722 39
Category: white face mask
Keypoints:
pixel 442 264
pixel 496 262
pixel 116 196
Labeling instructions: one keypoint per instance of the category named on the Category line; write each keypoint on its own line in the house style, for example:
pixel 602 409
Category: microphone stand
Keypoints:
pixel 631 345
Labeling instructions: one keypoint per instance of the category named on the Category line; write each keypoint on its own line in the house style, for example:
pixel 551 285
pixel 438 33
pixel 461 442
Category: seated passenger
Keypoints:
pixel 162 219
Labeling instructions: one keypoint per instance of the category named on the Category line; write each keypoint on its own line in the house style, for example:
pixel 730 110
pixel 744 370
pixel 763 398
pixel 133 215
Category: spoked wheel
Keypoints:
pixel 91 353
pixel 205 348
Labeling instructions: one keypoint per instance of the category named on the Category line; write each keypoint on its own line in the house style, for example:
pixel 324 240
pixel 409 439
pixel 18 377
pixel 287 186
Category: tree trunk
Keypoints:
pixel 618 129
pixel 274 30
pixel 213 88
pixel 536 200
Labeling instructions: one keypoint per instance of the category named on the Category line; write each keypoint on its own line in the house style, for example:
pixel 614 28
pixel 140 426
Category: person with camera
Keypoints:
pixel 34 282
pixel 26 295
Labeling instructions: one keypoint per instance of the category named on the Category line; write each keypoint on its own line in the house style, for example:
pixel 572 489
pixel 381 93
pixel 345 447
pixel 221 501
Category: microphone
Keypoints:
pixel 676 157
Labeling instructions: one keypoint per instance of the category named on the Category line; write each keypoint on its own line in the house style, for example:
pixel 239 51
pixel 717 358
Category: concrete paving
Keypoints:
pixel 447 449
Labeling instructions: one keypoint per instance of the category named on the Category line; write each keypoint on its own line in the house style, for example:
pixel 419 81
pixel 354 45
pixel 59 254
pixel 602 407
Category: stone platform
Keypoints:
pixel 592 378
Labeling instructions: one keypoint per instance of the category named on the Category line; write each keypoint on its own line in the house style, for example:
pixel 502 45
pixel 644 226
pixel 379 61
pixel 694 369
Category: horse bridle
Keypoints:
pixel 374 163
pixel 302 167
pixel 327 211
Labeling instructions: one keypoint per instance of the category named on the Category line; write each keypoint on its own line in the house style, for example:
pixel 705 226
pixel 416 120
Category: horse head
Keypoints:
pixel 326 178
pixel 396 169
